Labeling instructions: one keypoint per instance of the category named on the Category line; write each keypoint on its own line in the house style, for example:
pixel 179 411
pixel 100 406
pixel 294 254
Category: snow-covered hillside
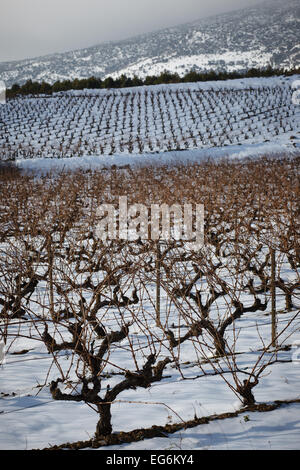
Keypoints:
pixel 154 119
pixel 252 37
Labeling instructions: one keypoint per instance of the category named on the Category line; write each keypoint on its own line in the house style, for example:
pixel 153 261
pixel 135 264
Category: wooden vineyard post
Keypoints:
pixel 50 262
pixel 158 282
pixel 273 296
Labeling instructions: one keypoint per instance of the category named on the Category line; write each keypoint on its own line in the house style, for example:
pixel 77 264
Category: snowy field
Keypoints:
pixel 60 287
pixel 151 120
pixel 31 419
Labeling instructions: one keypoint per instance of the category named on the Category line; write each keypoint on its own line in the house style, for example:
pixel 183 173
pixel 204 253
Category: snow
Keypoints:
pixel 29 418
pixel 274 430
pixel 94 162
pixel 230 60
pixel 213 118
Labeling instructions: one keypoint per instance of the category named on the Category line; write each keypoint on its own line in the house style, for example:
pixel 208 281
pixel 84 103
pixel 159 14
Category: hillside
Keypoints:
pixel 252 37
pixel 147 120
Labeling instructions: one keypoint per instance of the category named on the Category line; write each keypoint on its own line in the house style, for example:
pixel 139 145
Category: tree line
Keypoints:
pixel 33 87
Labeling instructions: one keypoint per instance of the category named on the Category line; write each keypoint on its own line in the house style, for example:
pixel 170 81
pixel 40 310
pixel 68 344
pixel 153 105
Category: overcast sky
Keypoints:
pixel 29 28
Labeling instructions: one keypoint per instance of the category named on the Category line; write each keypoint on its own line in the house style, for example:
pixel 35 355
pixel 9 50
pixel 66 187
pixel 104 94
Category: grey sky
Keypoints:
pixel 30 28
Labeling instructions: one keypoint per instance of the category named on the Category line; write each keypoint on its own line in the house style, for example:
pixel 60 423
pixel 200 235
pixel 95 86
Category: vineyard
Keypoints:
pixel 112 342
pixel 148 119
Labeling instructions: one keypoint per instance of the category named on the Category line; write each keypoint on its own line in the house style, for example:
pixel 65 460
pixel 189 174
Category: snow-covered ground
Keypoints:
pixel 94 162
pixel 153 120
pixel 29 417
pixel 274 430
pixel 232 61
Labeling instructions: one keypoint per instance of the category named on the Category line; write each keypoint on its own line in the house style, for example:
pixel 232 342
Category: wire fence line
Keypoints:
pixel 160 384
pixel 145 344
